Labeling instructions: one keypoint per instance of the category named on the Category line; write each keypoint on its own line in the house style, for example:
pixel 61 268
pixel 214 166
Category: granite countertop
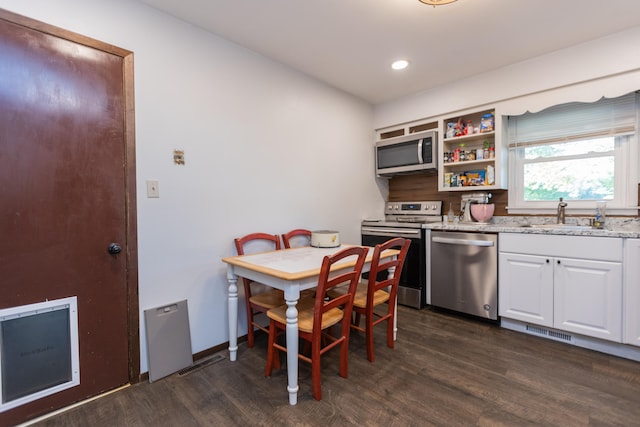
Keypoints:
pixel 615 227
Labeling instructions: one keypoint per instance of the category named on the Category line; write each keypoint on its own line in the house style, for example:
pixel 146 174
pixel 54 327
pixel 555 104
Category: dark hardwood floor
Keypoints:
pixel 445 371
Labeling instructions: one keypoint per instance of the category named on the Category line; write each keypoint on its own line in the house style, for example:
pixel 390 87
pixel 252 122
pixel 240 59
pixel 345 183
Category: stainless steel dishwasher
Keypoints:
pixel 464 272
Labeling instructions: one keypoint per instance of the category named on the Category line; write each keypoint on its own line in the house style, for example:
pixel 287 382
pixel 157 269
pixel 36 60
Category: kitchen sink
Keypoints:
pixel 559 226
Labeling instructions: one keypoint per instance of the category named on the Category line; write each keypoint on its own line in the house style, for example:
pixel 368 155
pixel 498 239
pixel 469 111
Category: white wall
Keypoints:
pixel 266 148
pixel 608 65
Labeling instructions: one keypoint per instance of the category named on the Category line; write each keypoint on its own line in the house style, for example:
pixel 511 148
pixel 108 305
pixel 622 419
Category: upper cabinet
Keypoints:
pixel 471 155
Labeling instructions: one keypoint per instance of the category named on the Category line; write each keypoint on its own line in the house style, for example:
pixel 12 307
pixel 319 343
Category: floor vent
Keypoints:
pixel 560 336
pixel 537 330
pixel 201 364
pixel 549 333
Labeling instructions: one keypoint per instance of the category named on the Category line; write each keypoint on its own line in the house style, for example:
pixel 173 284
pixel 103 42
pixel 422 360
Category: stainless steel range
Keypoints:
pixel 405 219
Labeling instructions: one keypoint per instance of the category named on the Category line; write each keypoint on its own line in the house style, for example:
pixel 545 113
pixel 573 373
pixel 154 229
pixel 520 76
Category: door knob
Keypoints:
pixel 115 248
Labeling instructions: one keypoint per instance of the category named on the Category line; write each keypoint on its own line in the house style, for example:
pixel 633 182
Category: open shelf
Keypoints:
pixel 476 174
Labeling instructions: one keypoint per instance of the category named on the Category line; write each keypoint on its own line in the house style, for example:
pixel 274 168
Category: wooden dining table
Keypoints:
pixel 292 271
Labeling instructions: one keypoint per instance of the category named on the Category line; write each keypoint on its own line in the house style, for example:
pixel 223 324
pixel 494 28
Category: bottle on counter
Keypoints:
pixel 450 215
pixel 601 214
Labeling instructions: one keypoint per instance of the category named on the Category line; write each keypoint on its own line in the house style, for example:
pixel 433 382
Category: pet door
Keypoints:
pixel 38 351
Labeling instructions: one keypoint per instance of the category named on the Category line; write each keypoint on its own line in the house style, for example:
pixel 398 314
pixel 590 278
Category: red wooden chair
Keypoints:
pixel 316 315
pixel 258 297
pixel 373 293
pixel 293 238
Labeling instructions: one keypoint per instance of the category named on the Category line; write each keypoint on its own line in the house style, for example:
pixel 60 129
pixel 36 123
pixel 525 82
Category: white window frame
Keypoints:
pixel 626 164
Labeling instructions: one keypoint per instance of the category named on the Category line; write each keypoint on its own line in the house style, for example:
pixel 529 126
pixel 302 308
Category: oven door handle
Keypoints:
pixel 391 232
pixel 465 242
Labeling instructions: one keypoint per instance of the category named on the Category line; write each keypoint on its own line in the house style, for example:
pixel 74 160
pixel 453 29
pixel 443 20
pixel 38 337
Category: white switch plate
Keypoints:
pixel 153 189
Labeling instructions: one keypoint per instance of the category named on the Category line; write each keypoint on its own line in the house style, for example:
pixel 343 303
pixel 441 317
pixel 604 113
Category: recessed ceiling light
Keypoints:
pixel 400 65
pixel 435 3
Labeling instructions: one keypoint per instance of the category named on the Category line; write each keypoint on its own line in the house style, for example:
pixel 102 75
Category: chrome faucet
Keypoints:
pixel 561 207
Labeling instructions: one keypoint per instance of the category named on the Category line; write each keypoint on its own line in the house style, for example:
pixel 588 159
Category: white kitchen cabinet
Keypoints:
pixel 526 288
pixel 486 173
pixel 588 297
pixel 571 283
pixel 631 292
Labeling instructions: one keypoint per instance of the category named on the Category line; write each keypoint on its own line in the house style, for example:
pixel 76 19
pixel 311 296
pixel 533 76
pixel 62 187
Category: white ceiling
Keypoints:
pixel 350 44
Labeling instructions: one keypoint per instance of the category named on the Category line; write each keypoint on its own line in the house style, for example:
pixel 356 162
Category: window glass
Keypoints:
pixel 576 170
pixel 601 145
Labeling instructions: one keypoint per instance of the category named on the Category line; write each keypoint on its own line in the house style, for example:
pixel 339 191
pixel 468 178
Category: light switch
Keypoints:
pixel 153 189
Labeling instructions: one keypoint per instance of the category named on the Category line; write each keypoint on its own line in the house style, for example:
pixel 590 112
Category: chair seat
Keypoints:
pixel 269 299
pixel 360 299
pixel 305 315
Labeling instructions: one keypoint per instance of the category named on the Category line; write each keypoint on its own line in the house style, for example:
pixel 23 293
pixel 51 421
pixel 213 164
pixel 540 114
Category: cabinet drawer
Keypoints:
pixel 583 247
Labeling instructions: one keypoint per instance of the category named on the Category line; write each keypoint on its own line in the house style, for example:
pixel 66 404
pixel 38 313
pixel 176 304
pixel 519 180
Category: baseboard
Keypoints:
pixel 570 338
pixel 67 408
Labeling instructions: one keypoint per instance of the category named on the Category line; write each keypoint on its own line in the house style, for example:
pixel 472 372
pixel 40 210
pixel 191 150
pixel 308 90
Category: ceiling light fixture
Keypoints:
pixel 400 65
pixel 435 3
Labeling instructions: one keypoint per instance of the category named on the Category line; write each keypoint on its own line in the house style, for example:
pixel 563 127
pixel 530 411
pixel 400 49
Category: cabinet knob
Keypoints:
pixel 558 261
pixel 547 260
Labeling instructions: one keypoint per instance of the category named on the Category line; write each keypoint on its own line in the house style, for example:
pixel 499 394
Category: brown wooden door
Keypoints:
pixel 66 186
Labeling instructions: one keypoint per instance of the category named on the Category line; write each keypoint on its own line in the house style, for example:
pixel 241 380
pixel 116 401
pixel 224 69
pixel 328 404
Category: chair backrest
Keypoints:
pixel 329 280
pixel 257 242
pixel 377 267
pixel 296 238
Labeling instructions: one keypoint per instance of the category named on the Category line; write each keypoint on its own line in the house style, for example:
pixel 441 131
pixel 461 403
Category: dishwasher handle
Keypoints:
pixel 465 242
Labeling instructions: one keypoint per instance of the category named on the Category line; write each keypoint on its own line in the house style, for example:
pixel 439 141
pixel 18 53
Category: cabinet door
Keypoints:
pixel 631 308
pixel 588 297
pixel 526 288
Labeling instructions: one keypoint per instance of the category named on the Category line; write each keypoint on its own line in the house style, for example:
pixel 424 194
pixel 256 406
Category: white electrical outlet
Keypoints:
pixel 153 189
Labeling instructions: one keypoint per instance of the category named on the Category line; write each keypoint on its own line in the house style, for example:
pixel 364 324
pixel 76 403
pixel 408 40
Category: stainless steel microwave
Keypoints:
pixel 407 154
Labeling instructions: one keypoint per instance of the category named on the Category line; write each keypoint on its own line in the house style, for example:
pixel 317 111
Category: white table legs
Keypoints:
pixel 392 271
pixel 291 297
pixel 233 313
